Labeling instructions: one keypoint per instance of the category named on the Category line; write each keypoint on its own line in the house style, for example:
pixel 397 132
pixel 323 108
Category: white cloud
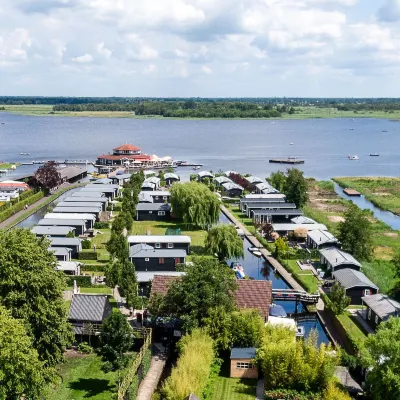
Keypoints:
pixel 138 49
pixel 206 70
pixel 84 59
pixel 150 69
pixel 102 50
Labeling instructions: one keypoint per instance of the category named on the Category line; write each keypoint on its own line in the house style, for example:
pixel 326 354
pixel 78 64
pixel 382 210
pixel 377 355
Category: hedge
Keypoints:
pixel 81 280
pixel 20 206
pixel 86 244
pixel 88 255
pixel 101 225
pixel 93 267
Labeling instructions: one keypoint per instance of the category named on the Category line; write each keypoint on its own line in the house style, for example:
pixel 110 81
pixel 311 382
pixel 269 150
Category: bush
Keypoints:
pixel 93 268
pixel 85 348
pixel 20 206
pixel 146 362
pixel 86 244
pixel 81 280
pixel 285 394
pixel 114 207
pixel 88 255
pixel 133 388
pixel 101 225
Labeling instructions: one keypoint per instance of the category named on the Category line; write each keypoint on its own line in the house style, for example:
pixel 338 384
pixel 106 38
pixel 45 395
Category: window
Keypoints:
pixel 369 313
pixel 244 365
pixel 157 245
pixel 177 261
pixel 147 259
pixel 376 320
pixel 165 197
pixel 170 245
pixel 150 212
pixel 161 261
pixel 367 292
pixel 156 197
pixel 161 213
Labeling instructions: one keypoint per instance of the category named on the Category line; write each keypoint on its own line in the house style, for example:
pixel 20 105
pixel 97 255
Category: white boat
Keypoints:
pixel 25 154
pixel 257 253
pixel 278 316
pixel 238 269
pixel 353 157
pixel 252 249
pixel 291 143
pixel 196 168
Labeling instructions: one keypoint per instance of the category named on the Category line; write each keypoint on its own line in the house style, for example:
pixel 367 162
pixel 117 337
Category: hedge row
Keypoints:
pixel 81 280
pixel 93 268
pixel 88 255
pixel 23 196
pixel 20 206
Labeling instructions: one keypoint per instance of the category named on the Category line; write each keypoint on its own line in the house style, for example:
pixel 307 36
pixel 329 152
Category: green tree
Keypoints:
pixel 355 233
pixel 116 338
pixel 32 291
pixel 21 372
pixel 277 180
pixel 338 299
pixel 195 204
pixel 381 355
pixel 247 328
pixel 118 247
pixel 281 247
pixel 396 263
pixel 224 241
pixel 207 284
pixel 128 284
pixel 295 187
pixel 47 176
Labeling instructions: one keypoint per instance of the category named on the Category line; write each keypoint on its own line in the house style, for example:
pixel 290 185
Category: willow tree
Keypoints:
pixel 194 204
pixel 224 241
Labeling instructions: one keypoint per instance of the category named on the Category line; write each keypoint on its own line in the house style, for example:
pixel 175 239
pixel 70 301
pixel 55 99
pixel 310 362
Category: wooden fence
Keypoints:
pixel 134 366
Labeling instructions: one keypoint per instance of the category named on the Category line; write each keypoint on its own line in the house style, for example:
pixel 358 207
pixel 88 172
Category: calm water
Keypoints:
pixel 242 145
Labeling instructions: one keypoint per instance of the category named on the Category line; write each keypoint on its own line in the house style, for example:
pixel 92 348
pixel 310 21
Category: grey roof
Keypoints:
pixel 274 196
pixel 382 305
pixel 84 216
pixel 243 352
pixel 86 307
pixel 81 193
pixel 253 179
pixel 337 257
pixel 292 227
pixel 159 239
pixel 322 237
pixel 342 373
pixel 77 210
pixel 350 278
pixel 65 242
pixel 159 193
pixel 266 188
pixel 80 204
pixel 147 276
pixel 302 220
pixel 148 185
pixel 67 266
pixel 288 211
pixel 121 176
pixel 61 222
pixel 145 197
pixel 227 173
pixel 52 230
pixel 153 207
pixel 98 189
pixel 60 251
pixel 102 181
pixel 205 174
pixel 170 175
pixel 153 179
pixel 71 172
pixel 231 185
pixel 85 199
pixel 146 251
pixel 222 179
pixel 102 186
pixel 269 205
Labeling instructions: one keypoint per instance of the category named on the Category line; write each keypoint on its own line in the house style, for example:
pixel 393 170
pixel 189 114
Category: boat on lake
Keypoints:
pixel 291 143
pixel 196 168
pixel 278 316
pixel 238 269
pixel 373 154
pixel 25 154
pixel 353 157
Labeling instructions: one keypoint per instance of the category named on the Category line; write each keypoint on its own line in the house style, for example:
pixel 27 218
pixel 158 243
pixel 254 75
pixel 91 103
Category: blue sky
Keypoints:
pixel 206 48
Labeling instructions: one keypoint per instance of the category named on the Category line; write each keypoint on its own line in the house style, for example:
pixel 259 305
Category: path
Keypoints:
pixel 260 389
pixel 150 382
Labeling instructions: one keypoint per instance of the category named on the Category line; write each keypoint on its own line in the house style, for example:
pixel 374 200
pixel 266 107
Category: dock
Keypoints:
pixel 290 160
pixel 351 192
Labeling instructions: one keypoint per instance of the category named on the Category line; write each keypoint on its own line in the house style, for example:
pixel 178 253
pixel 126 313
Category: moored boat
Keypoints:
pixel 353 157
pixel 238 269
pixel 374 155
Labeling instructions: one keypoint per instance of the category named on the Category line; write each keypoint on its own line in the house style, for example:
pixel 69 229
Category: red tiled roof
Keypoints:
pixel 138 157
pixel 14 184
pixel 250 294
pixel 127 147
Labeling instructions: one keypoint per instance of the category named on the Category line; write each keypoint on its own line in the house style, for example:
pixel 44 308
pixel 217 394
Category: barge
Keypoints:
pixel 289 160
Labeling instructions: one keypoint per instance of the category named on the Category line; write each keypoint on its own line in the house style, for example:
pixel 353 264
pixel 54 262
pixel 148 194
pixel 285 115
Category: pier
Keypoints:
pixel 290 160
pixel 295 295
pixel 351 192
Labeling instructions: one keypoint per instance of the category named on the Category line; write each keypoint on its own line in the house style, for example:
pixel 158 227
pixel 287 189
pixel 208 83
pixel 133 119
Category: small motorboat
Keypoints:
pixel 238 269
pixel 384 131
pixel 351 129
pixel 257 253
pixel 374 155
pixel 252 249
pixel 196 168
pixel 291 143
pixel 353 157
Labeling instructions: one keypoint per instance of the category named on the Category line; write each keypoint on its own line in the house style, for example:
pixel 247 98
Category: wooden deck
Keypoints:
pixel 351 192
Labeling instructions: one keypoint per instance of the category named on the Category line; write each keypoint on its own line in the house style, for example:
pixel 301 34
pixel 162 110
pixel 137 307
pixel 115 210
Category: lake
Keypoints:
pixel 241 145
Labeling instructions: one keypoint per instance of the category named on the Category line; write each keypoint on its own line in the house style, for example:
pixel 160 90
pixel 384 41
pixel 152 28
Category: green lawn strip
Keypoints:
pixel 94 290
pixel 234 389
pixel 305 278
pixel 354 331
pixel 242 218
pixel 82 378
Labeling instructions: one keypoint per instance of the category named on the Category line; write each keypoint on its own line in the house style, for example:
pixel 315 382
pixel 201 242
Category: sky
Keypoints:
pixel 200 48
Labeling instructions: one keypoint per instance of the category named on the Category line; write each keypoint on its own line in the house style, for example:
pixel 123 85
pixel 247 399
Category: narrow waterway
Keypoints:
pixel 258 268
pixel 387 217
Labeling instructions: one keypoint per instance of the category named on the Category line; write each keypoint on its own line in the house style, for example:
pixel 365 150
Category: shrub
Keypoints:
pixel 114 207
pixel 133 388
pixel 10 211
pixel 88 255
pixel 146 362
pixel 86 244
pixel 101 225
pixel 85 348
pixel 285 394
pixel 81 280
pixel 93 268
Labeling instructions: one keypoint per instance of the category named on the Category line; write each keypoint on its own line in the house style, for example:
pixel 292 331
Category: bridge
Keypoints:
pixel 295 295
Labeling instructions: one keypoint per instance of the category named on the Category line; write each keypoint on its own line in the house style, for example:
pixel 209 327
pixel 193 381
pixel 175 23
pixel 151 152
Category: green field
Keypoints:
pixel 234 389
pixel 82 378
pixel 352 329
pixel 94 290
pixel 382 192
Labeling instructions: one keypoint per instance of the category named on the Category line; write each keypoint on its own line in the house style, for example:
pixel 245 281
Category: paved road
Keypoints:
pixel 150 382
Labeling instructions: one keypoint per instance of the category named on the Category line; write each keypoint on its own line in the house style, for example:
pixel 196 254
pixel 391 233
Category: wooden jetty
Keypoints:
pixel 351 192
pixel 290 160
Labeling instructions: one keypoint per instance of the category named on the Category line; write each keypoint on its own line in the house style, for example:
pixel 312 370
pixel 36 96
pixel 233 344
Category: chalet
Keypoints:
pixel 256 206
pixel 148 186
pixel 229 173
pixel 219 180
pixel 120 179
pixel 232 189
pixel 285 229
pixel 335 259
pixel 89 219
pixel 156 196
pixel 203 175
pixel 356 284
pixel 277 197
pixel 74 244
pixel 144 197
pixel 103 181
pixel 171 178
pixel 87 194
pixel 52 231
pixel 153 212
pixel 162 241
pixel 244 202
pixel 78 224
pixel 110 191
pixel 302 220
pixel 275 216
pixel 69 267
pixel 253 180
pixel 61 253
pixel 97 204
pixel 265 188
pixel 88 312
pixel 122 155
pixel 379 308
pixel 243 363
pixel 148 173
pixel 320 239
pixel 72 173
pixel 78 210
pixel 148 258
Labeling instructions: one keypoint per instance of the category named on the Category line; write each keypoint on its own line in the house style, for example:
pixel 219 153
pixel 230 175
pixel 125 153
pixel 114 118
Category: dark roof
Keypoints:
pixel 336 257
pixel 145 251
pixel 350 278
pixel 383 306
pixel 342 373
pixel 243 352
pixel 250 294
pixel 89 307
pixel 152 207
pixel 71 172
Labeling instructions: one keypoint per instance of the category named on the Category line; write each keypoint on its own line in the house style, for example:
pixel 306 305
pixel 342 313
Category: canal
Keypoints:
pixel 387 217
pixel 259 268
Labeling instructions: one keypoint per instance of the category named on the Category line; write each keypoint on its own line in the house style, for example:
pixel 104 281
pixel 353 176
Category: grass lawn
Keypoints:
pixel 94 290
pixel 351 327
pixel 234 389
pixel 82 378
pixel 305 278
pixel 242 218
